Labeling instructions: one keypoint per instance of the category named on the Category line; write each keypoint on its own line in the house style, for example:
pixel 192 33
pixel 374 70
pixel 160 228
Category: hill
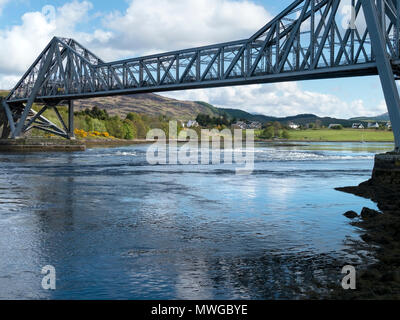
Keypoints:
pixel 301 119
pixel 304 119
pixel 153 105
pixel 149 104
pixel 243 115
pixel 382 117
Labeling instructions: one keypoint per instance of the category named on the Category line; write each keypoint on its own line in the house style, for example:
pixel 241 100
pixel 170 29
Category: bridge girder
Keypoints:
pixel 305 41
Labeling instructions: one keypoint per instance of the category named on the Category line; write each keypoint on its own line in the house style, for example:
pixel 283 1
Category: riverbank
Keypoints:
pixel 333 141
pixel 63 145
pixel 344 135
pixel 41 145
pixel 381 233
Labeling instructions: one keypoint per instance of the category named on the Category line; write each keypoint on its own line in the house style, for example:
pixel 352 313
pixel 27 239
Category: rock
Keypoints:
pixel 366 238
pixel 367 213
pixel 391 276
pixel 351 215
pixel 371 274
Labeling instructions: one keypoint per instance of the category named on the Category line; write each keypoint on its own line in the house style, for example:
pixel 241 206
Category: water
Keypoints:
pixel 116 228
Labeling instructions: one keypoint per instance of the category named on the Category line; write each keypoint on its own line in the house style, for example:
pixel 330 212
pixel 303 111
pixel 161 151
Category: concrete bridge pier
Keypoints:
pixel 374 19
pixel 387 169
pixel 387 166
pixel 71 127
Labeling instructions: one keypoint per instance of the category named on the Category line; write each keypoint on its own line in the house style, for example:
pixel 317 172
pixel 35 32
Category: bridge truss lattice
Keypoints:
pixel 305 41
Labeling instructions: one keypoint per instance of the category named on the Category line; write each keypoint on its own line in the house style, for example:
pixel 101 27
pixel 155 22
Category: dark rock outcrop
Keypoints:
pixel 351 214
pixel 367 213
pixel 381 231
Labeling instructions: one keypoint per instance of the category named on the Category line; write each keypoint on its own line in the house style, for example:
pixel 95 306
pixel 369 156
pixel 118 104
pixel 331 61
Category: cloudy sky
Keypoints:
pixel 130 28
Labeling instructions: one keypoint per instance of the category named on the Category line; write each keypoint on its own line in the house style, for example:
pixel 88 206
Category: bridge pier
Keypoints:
pixel 384 65
pixel 71 128
pixel 35 120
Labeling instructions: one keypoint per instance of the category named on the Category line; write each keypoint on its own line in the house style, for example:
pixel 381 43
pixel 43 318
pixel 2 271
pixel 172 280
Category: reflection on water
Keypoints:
pixel 117 228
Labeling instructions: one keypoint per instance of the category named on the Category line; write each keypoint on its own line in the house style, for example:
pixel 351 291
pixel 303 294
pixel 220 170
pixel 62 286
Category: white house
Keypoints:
pixel 389 125
pixel 192 124
pixel 293 126
pixel 358 126
pixel 255 125
pixel 372 125
pixel 240 125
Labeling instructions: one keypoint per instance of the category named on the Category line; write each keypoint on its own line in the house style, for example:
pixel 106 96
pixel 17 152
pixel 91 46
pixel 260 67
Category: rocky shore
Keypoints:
pixel 41 145
pixel 381 231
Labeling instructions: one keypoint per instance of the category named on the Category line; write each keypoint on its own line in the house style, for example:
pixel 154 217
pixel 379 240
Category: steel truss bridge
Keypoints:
pixel 305 41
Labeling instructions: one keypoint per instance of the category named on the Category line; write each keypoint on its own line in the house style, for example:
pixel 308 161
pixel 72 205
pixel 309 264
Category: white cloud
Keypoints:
pixel 7 81
pixel 146 26
pixel 283 99
pixel 22 43
pixel 160 25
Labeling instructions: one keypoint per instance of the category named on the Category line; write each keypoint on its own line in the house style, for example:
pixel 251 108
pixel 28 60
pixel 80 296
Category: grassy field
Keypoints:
pixel 341 135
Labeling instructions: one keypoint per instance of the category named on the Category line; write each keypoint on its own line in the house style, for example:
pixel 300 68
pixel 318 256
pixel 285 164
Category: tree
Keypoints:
pixel 129 130
pixel 268 133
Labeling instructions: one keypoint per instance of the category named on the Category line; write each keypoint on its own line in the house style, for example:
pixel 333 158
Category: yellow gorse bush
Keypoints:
pixel 80 133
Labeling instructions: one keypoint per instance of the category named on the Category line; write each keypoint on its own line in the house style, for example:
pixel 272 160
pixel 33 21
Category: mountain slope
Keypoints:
pixel 301 119
pixel 150 104
pixel 382 117
pixel 243 115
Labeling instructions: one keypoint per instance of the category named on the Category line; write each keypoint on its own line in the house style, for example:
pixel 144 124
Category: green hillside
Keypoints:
pixel 301 119
pixel 243 115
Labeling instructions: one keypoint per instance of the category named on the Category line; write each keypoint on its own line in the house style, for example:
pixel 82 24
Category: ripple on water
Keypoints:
pixel 115 227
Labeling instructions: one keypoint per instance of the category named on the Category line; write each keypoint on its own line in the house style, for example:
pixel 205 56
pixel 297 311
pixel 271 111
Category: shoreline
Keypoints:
pixel 335 141
pixel 381 237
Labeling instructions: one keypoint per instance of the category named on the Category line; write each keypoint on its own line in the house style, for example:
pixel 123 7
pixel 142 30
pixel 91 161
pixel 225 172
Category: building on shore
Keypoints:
pixel 358 126
pixel 293 126
pixel 240 125
pixel 255 125
pixel 372 125
pixel 192 124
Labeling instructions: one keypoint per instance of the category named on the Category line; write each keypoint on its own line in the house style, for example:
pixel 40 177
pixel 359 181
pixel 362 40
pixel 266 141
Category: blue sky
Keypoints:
pixel 121 28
